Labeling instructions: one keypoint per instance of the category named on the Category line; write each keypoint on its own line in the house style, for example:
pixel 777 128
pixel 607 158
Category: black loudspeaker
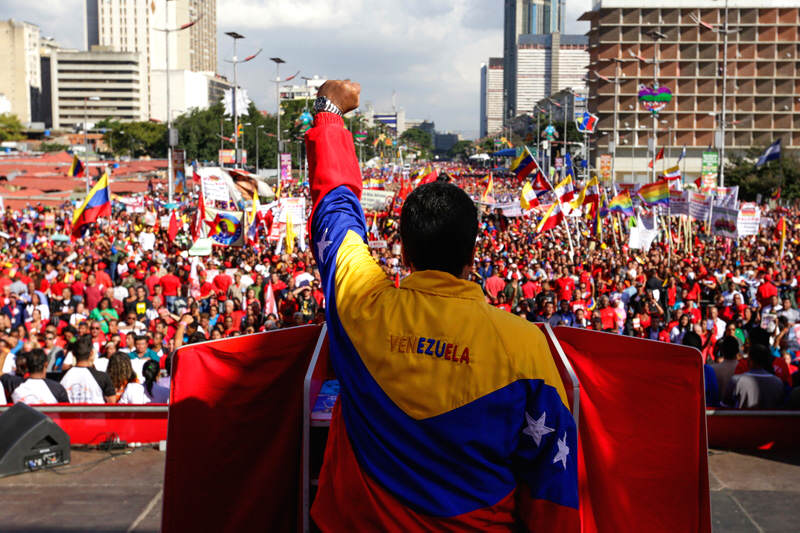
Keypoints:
pixel 30 440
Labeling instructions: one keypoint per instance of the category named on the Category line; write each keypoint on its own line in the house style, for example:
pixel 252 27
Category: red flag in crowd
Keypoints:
pixel 659 156
pixel 174 225
pixel 199 217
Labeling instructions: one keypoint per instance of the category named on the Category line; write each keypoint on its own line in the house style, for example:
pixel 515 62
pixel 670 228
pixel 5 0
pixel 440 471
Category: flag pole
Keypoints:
pixel 560 205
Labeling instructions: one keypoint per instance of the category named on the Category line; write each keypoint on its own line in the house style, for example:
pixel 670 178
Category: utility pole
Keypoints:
pixel 86 136
pixel 260 126
pixel 278 61
pixel 235 62
pixel 172 136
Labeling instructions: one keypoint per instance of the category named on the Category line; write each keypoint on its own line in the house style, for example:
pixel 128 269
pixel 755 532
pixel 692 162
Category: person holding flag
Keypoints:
pixel 464 399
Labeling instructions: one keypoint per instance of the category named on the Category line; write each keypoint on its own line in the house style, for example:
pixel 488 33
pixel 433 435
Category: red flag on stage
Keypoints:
pixel 642 455
pixel 235 419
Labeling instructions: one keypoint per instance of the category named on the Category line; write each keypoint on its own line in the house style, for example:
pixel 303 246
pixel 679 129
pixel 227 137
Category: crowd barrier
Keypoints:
pixel 92 424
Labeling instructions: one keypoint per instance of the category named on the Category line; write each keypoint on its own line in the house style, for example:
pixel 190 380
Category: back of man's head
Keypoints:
pixel 690 338
pixel 761 357
pixel 729 347
pixel 82 348
pixel 438 227
pixel 37 360
pixel 759 336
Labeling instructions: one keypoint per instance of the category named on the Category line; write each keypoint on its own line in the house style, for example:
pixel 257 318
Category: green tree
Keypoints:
pixel 784 173
pixel 135 138
pixel 462 150
pixel 53 147
pixel 10 128
pixel 418 137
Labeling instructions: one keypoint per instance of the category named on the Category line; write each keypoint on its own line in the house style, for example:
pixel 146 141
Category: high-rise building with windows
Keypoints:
pixel 524 17
pixel 135 27
pixel 761 83
pixel 491 97
pixel 20 82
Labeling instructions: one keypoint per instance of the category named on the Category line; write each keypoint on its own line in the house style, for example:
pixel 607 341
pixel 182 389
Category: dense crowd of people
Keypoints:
pixel 96 320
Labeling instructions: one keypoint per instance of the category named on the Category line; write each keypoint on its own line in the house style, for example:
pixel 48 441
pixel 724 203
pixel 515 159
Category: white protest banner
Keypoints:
pixel 748 220
pixel 214 187
pixel 641 236
pixel 698 206
pixel 377 244
pixel 376 200
pixel 133 204
pixel 678 203
pixel 727 197
pixel 724 222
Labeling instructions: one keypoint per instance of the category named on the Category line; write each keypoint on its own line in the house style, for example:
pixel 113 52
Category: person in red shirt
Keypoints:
pixel 766 290
pixel 206 292
pixel 152 280
pixel 78 287
pixel 608 315
pixel 170 284
pixel 222 282
pixel 92 292
pixel 565 286
pixel 102 277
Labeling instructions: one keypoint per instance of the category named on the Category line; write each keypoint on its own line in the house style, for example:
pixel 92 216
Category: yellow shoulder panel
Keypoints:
pixel 434 345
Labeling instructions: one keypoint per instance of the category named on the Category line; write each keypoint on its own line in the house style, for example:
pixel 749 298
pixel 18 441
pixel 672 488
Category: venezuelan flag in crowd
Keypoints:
pixel 97 204
pixel 523 165
pixel 655 193
pixel 76 169
pixel 622 203
pixel 488 193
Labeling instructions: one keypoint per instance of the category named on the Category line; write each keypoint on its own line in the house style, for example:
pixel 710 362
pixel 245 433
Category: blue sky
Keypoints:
pixel 428 51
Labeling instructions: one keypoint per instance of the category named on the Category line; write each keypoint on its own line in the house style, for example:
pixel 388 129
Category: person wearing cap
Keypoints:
pixel 14 309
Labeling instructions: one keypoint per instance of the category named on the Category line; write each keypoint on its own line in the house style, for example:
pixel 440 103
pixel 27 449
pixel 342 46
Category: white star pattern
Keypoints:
pixel 536 428
pixel 563 452
pixel 322 244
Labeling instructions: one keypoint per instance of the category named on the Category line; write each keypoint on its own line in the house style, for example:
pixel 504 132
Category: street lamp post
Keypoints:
pixel 172 137
pixel 260 126
pixel 86 135
pixel 235 61
pixel 244 148
pixel 278 61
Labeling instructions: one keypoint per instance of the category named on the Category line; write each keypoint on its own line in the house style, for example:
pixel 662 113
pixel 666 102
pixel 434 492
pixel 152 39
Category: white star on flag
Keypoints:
pixel 536 428
pixel 563 451
pixel 322 244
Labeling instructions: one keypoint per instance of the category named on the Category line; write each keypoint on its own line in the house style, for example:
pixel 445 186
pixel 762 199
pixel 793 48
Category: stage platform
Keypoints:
pixel 750 492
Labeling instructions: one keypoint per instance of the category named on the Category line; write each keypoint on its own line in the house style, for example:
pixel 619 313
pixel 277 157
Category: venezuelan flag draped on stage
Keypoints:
pixel 76 169
pixel 622 203
pixel 655 193
pixel 97 204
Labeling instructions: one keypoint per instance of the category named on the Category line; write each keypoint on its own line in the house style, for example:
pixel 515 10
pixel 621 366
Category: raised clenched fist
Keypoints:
pixel 342 93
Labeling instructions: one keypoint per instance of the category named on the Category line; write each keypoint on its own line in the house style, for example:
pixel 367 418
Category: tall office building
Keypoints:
pixel 525 17
pixel 491 97
pixel 547 64
pixel 20 82
pixel 761 89
pixel 92 86
pixel 134 26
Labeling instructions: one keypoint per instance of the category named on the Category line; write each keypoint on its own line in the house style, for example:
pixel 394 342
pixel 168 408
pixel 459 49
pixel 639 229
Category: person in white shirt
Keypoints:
pixel 123 378
pixel 83 382
pixel 37 389
pixel 155 393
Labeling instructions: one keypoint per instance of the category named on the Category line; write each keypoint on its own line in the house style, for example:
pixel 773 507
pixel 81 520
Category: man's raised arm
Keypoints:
pixel 337 227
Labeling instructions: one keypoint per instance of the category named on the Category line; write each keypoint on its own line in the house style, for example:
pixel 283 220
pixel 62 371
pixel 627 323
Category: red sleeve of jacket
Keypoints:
pixel 331 159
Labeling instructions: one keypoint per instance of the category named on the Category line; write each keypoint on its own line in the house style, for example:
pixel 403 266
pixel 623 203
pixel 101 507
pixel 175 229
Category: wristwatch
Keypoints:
pixel 322 103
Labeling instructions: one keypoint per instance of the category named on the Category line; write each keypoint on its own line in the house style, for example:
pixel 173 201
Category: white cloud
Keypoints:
pixel 429 51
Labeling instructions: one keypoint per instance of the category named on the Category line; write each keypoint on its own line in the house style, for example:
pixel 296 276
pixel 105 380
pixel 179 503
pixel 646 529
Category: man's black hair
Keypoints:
pixel 690 338
pixel 729 348
pixel 759 336
pixel 37 360
pixel 761 357
pixel 438 227
pixel 82 348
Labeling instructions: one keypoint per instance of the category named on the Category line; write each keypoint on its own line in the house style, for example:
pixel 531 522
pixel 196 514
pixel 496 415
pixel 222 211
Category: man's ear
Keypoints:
pixel 406 262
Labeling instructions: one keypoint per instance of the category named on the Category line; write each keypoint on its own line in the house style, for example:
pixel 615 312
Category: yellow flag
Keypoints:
pixel 289 233
pixel 578 202
pixel 254 210
pixel 526 195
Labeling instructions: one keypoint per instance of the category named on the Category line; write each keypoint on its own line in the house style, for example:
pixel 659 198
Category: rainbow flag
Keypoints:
pixel 76 169
pixel 97 204
pixel 622 203
pixel 655 193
